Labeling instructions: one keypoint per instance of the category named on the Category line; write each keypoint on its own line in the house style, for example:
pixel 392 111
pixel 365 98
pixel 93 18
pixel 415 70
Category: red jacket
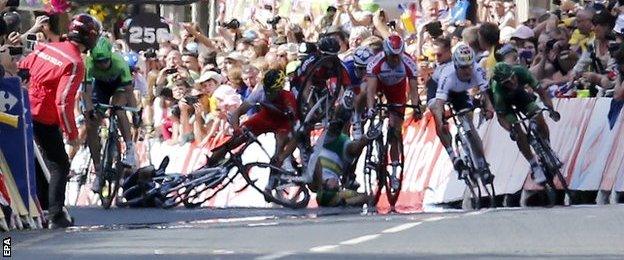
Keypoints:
pixel 56 71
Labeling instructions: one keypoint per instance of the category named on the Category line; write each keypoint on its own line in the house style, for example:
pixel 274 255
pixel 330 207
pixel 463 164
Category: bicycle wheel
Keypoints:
pixel 374 168
pixel 205 188
pixel 284 192
pixel 111 163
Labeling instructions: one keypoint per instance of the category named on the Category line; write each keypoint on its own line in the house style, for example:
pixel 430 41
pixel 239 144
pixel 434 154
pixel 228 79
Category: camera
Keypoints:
pixel 192 99
pixel 392 24
pixel 274 21
pixel 16 51
pixel 233 24
pixel 171 71
pixel 150 54
pixel 434 29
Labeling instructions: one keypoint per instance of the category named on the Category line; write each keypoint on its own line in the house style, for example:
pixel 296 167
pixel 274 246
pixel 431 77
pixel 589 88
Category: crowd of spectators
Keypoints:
pixel 190 82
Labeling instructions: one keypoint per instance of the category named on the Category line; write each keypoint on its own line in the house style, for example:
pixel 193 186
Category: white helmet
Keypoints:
pixel 362 56
pixel 463 56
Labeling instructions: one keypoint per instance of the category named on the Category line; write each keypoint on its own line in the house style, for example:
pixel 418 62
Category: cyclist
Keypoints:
pixel 357 69
pixel 53 73
pixel 278 120
pixel 337 155
pixel 108 82
pixel 322 68
pixel 508 87
pixel 453 88
pixel 442 49
pixel 390 72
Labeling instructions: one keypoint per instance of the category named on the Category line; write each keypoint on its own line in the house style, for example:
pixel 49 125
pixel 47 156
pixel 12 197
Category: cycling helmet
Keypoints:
pixel 463 56
pixel 502 72
pixel 103 50
pixel 362 56
pixel 84 29
pixel 393 45
pixel 329 46
pixel 132 58
pixel 273 81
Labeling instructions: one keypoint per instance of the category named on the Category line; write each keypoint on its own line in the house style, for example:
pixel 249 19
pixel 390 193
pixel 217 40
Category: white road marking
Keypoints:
pixel 361 239
pixel 263 224
pixel 400 228
pixel 327 248
pixel 277 255
pixel 222 252
pixel 431 219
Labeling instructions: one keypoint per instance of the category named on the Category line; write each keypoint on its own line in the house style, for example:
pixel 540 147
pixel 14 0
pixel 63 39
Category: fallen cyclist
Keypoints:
pixel 337 155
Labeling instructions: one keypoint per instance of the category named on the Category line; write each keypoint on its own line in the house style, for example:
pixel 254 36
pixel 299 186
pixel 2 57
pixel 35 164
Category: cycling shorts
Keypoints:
pixel 263 122
pixel 395 94
pixel 103 91
pixel 527 109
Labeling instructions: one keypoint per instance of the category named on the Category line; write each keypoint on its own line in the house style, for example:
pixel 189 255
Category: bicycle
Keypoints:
pixel 111 168
pixel 475 165
pixel 549 161
pixel 376 176
pixel 215 179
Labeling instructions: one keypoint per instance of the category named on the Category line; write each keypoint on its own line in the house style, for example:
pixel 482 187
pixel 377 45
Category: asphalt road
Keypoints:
pixel 580 232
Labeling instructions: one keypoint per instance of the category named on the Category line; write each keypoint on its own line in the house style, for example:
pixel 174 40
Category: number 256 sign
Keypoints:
pixel 145 30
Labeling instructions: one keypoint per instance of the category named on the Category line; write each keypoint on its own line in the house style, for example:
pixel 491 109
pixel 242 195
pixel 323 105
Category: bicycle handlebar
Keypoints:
pixel 116 108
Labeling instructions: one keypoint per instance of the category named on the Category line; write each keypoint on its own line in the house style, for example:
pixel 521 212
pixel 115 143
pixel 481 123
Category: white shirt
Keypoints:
pixel 449 82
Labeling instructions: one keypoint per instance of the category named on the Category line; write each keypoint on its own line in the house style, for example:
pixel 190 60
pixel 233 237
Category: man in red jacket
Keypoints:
pixel 55 71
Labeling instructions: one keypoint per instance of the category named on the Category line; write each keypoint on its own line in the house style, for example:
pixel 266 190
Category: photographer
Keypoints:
pixel 554 61
pixel 174 67
pixel 595 62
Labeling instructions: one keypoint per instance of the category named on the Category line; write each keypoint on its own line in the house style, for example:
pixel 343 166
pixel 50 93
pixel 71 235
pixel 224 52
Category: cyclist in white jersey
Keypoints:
pixel 453 88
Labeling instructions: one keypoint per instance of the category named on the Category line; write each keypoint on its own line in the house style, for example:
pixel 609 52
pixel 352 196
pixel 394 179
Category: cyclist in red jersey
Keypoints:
pixel 390 72
pixel 54 72
pixel 277 120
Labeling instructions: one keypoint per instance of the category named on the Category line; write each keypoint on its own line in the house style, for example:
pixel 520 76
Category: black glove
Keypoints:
pixel 554 115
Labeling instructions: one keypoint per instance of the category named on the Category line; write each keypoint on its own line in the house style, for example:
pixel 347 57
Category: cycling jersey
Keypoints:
pixel 432 84
pixel 453 90
pixel 321 74
pixel 54 68
pixel 334 160
pixel 449 82
pixel 504 98
pixel 268 121
pixel 107 82
pixel 392 80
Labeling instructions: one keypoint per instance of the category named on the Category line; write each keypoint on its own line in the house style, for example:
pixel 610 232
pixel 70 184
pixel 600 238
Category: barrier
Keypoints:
pixel 17 160
pixel 591 149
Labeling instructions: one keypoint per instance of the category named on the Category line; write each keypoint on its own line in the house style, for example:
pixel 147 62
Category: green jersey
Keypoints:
pixel 117 75
pixel 504 98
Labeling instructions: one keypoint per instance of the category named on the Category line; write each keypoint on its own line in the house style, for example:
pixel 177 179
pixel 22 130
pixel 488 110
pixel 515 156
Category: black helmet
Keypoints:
pixel 329 46
pixel 273 81
pixel 84 29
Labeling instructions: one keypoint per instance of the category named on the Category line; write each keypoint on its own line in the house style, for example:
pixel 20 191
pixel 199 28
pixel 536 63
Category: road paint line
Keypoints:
pixel 230 220
pixel 431 219
pixel 38 239
pixel 263 224
pixel 277 255
pixel 361 239
pixel 327 248
pixel 402 227
pixel 222 252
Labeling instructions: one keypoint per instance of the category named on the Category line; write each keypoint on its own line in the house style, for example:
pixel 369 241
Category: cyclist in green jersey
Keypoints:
pixel 335 159
pixel 108 81
pixel 509 90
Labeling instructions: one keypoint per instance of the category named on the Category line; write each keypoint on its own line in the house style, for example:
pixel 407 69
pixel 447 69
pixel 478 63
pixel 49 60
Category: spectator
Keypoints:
pixel 489 36
pixel 583 32
pixel 190 61
pixel 596 60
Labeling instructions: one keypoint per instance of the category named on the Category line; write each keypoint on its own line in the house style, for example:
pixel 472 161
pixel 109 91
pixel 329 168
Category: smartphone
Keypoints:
pixel 15 51
pixel 29 43
pixel 171 71
pixel 268 7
